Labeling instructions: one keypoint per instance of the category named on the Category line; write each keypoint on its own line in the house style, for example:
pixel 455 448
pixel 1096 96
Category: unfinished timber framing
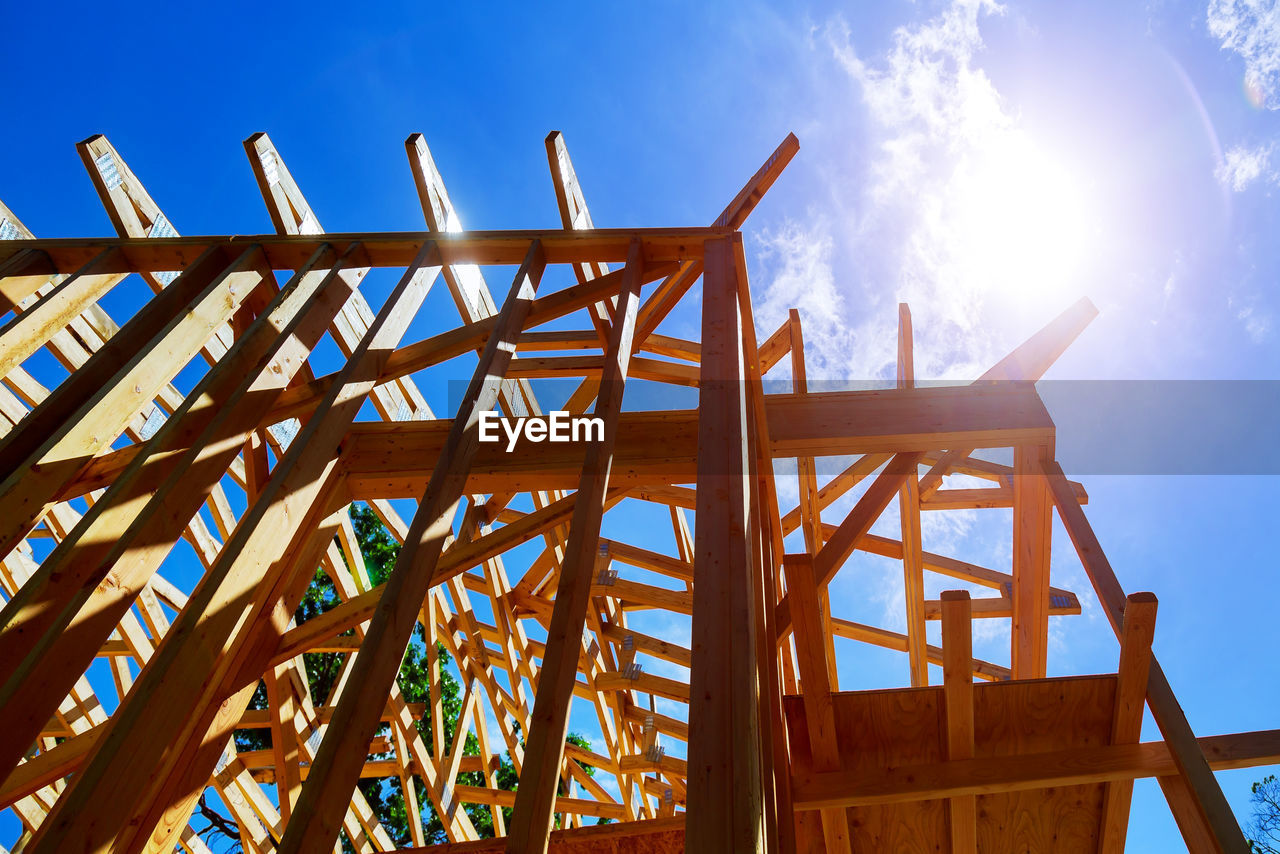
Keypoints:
pixel 107 466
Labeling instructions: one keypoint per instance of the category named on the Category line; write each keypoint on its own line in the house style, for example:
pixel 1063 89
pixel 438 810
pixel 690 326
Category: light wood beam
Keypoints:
pixel 957 653
pixel 815 688
pixel 1131 699
pixel 909 514
pixel 531 822
pixel 1001 774
pixel 844 539
pixel 89 411
pixel 1032 532
pixel 668 294
pixel 726 797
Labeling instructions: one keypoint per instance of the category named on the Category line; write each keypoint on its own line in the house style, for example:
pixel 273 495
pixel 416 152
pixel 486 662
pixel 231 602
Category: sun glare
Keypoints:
pixel 1024 226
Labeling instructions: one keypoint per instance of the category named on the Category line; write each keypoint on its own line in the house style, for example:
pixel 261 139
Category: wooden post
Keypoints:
pixel 810 512
pixel 1032 529
pixel 725 810
pixel 815 689
pixel 909 513
pixel 957 669
pixel 1131 699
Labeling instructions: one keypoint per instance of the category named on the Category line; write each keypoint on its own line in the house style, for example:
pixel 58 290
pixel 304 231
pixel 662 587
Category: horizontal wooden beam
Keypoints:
pixel 667 834
pixel 380 249
pixel 989 775
pixel 385 460
pixel 898 641
pixel 992 607
pixel 389 460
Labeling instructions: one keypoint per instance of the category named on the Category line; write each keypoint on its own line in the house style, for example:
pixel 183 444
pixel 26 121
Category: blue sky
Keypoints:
pixel 988 164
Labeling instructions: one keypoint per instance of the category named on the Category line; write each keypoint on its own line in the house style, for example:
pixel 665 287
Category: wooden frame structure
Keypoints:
pixel 104 471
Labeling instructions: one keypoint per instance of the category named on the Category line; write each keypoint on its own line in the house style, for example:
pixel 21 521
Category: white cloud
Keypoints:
pixel 801 277
pixel 1242 166
pixel 1251 28
pixel 1257 324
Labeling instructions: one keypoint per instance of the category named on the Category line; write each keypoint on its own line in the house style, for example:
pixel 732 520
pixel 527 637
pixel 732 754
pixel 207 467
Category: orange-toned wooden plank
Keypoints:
pixel 909 514
pixel 1131 700
pixel 957 655
pixel 815 688
pixel 725 788
pixel 1032 530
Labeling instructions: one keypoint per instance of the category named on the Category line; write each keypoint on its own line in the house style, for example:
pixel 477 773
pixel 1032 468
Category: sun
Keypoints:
pixel 1024 228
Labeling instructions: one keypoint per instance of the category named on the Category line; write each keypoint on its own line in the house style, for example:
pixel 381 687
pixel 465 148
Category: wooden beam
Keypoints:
pixel 85 414
pixel 668 294
pixel 1131 698
pixel 1001 774
pixel 292 214
pixel 957 652
pixel 995 607
pixel 575 215
pixel 909 514
pixel 52 313
pixel 896 640
pixel 859 469
pixel 725 797
pixel 455 342
pixel 810 511
pixel 816 687
pixel 549 723
pixel 660 448
pixel 844 539
pixel 22 274
pixel 1032 530
pixel 949 566
pixel 466 282
pixel 385 249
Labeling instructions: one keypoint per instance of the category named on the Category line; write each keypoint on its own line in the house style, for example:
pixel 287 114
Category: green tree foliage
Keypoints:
pixel 386 797
pixel 1264 831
